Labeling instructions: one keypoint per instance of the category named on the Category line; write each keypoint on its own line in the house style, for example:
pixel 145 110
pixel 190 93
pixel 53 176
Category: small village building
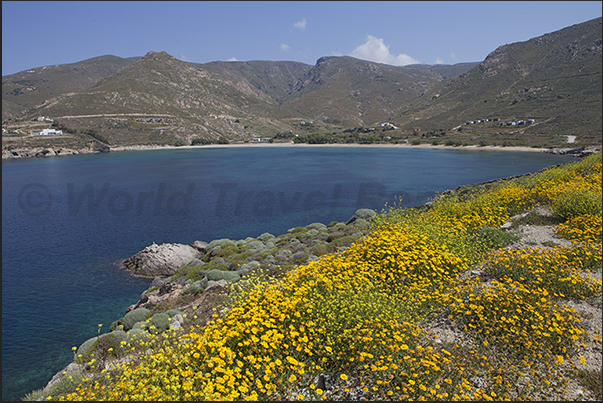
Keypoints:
pixel 49 132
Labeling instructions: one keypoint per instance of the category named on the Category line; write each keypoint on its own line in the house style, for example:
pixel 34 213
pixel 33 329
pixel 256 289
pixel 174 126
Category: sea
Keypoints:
pixel 67 222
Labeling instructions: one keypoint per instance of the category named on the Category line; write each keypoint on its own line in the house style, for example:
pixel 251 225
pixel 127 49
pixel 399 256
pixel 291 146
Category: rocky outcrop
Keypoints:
pixel 161 260
pixel 36 152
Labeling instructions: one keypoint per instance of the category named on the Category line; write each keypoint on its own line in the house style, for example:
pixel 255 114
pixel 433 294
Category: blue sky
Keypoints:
pixel 41 33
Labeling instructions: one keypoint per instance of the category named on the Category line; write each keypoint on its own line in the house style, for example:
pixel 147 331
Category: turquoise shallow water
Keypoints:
pixel 66 220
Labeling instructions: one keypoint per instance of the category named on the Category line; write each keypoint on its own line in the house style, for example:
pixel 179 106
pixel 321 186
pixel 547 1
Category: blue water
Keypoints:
pixel 67 220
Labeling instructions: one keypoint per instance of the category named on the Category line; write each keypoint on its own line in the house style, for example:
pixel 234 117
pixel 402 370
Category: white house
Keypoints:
pixel 49 132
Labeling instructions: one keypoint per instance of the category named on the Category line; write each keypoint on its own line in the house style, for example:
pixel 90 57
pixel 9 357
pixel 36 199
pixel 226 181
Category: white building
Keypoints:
pixel 49 132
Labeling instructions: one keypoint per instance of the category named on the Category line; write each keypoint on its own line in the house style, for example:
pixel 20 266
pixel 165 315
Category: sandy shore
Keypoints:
pixel 27 153
pixel 291 144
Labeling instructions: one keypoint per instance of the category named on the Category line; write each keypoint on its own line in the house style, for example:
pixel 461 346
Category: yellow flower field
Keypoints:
pixel 361 318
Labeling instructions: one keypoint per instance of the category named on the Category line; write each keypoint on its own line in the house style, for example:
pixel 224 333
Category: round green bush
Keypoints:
pixel 109 345
pixel 136 315
pixel 135 334
pixel 159 322
pixel 115 325
pixel 142 325
pixel 172 312
pixel 85 346
pixel 120 334
pixel 229 276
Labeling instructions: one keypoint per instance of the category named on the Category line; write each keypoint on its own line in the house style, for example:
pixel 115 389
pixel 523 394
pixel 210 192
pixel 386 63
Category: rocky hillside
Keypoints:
pixel 553 80
pixel 31 88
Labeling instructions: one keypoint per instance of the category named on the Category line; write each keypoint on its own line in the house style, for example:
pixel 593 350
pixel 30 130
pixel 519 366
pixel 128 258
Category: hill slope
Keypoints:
pixel 27 89
pixel 554 78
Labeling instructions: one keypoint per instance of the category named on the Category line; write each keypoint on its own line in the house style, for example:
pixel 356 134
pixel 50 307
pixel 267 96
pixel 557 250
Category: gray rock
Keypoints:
pixel 200 283
pixel 175 325
pixel 216 285
pixel 161 260
pixel 200 246
pixel 166 288
pixel 196 262
pixel 158 282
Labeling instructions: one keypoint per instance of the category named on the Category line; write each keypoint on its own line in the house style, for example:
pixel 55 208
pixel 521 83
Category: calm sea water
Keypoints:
pixel 65 221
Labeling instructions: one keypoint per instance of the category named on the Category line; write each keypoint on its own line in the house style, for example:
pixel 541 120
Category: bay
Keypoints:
pixel 67 220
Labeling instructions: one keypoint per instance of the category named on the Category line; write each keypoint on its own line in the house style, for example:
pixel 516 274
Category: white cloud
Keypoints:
pixel 285 47
pixel 439 61
pixel 232 59
pixel 375 50
pixel 183 58
pixel 300 24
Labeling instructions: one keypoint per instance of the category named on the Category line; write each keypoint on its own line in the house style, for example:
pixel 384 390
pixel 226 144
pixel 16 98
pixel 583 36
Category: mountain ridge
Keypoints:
pixel 554 80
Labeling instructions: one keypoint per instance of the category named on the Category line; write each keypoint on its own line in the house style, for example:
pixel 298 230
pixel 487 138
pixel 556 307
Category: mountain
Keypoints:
pixel 160 97
pixel 351 92
pixel 27 89
pixel 273 80
pixel 554 79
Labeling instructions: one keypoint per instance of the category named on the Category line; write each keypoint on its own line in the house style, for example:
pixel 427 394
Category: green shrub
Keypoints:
pixel 136 315
pixel 120 334
pixel 115 325
pixel 576 202
pixel 159 322
pixel 85 346
pixel 194 271
pixel 136 334
pixel 345 240
pixel 323 249
pixel 66 384
pixel 142 325
pixel 109 345
pixel 229 276
pixel 173 312
pixel 491 238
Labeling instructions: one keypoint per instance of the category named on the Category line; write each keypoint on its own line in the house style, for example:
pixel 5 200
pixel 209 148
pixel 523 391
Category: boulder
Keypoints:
pixel 216 285
pixel 200 246
pixel 161 260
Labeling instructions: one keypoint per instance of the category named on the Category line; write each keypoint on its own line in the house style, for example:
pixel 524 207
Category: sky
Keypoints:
pixel 43 33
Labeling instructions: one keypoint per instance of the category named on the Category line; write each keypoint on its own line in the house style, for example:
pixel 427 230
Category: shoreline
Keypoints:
pixel 351 145
pixel 7 155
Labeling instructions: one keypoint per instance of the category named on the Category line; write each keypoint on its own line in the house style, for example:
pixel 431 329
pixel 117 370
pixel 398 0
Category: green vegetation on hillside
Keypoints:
pixel 430 305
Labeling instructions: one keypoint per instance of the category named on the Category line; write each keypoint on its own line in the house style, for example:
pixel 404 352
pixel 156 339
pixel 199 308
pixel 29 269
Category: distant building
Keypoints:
pixel 261 139
pixel 49 132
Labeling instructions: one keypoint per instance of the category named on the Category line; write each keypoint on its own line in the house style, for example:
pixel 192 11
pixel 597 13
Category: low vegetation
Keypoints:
pixel 432 304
